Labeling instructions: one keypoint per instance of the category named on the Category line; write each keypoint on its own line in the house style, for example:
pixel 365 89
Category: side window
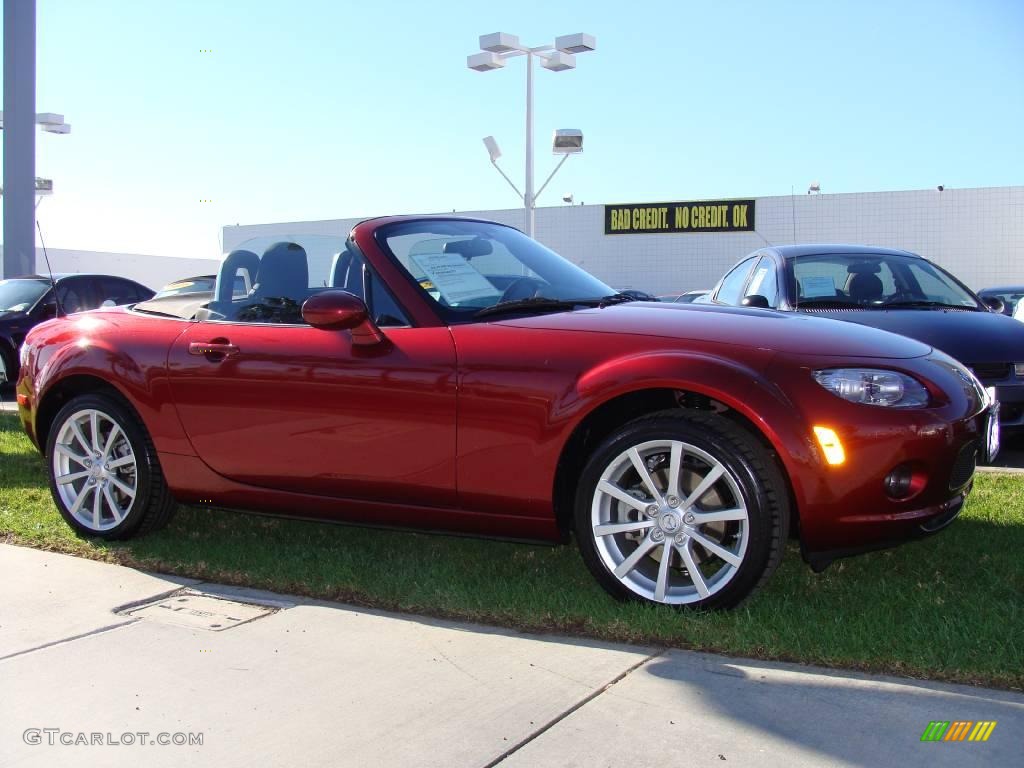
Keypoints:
pixel 115 292
pixel 732 284
pixel 351 273
pixel 764 282
pixel 75 295
pixel 383 306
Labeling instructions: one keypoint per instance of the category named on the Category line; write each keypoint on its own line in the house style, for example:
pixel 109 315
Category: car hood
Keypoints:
pixel 766 329
pixel 10 317
pixel 976 337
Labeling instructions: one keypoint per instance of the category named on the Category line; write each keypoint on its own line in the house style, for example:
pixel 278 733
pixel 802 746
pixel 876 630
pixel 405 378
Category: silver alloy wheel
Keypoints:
pixel 670 522
pixel 94 469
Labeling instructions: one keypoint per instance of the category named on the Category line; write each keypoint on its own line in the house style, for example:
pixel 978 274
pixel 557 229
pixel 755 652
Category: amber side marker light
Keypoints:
pixel 830 444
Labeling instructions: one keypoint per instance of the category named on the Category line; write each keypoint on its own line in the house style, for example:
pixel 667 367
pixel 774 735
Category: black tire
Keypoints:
pixel 11 364
pixel 751 479
pixel 152 506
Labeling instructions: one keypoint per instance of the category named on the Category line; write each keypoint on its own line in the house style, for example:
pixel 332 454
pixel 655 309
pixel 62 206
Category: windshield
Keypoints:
pixel 21 295
pixel 874 280
pixel 468 266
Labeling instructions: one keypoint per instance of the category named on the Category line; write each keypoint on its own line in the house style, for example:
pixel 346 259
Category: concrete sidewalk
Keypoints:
pixel 100 649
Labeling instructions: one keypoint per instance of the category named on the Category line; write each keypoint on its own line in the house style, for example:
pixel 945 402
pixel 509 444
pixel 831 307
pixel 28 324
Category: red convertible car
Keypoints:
pixel 452 374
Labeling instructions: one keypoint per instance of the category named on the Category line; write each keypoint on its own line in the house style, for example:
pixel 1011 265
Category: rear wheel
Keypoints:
pixel 683 508
pixel 104 474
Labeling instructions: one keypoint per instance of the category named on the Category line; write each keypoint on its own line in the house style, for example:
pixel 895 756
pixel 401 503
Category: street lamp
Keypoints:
pixel 495 49
pixel 50 122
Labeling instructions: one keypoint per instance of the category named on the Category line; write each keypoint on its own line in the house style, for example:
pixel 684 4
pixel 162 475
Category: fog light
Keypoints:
pixel 898 483
pixel 830 445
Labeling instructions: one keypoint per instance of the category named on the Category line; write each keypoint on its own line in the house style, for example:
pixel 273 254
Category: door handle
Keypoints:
pixel 212 348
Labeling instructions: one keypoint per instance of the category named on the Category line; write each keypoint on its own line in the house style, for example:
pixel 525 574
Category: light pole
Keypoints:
pixel 19 251
pixel 495 50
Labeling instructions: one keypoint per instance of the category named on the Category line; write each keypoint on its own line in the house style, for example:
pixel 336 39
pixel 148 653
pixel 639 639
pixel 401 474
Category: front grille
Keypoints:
pixel 963 467
pixel 990 370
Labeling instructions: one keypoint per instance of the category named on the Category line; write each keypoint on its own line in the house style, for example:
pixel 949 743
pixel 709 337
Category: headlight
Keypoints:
pixel 874 387
pixel 23 354
pixel 1018 368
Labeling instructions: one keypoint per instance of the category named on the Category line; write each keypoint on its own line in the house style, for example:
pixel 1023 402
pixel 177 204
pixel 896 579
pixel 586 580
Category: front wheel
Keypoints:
pixel 104 474
pixel 683 508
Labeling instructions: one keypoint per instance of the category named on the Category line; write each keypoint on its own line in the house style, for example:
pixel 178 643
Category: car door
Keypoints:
pixel 280 404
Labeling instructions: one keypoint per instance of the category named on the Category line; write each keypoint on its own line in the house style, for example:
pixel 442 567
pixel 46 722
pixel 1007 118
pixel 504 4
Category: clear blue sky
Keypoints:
pixel 310 110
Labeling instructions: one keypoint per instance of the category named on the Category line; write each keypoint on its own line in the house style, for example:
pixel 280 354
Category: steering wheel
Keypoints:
pixel 522 288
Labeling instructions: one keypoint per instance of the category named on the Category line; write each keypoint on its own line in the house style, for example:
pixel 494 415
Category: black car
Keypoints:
pixel 638 295
pixel 1010 295
pixel 893 290
pixel 684 298
pixel 28 301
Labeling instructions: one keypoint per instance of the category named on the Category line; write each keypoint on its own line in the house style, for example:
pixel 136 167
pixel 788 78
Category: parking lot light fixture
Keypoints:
pixel 495 153
pixel 495 49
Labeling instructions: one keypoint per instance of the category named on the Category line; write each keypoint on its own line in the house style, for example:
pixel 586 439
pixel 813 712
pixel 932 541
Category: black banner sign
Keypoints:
pixel 698 216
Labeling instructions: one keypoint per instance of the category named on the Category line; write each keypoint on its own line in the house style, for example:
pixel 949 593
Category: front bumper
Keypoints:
pixel 934 520
pixel 851 507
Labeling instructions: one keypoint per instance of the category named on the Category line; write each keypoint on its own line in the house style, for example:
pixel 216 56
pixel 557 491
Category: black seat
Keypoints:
pixel 865 286
pixel 283 273
pixel 282 285
pixel 347 274
pixel 224 304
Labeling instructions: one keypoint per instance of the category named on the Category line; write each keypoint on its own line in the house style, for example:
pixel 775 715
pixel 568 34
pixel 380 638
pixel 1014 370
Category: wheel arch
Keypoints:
pixel 755 413
pixel 64 390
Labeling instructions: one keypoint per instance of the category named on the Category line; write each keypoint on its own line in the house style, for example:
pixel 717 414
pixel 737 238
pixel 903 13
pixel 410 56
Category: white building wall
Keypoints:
pixel 977 234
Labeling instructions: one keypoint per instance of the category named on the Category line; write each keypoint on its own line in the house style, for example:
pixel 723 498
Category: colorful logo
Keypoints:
pixel 958 730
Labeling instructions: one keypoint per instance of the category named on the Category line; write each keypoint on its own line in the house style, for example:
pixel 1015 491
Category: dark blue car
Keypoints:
pixel 27 301
pixel 893 290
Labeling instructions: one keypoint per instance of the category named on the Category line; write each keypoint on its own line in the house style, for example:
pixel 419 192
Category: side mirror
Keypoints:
pixel 994 303
pixel 47 312
pixel 342 311
pixel 755 300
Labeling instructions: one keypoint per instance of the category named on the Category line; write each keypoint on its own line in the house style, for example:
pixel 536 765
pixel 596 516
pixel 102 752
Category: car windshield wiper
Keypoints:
pixel 537 303
pixel 826 301
pixel 925 303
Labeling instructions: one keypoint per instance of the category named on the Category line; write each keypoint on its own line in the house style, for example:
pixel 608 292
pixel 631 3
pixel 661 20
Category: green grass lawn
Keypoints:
pixel 950 607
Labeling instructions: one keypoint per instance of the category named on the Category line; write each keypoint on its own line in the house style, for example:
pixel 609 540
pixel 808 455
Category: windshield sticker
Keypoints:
pixel 814 286
pixel 454 277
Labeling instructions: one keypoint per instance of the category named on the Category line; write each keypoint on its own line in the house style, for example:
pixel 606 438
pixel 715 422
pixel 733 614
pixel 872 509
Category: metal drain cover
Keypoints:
pixel 199 611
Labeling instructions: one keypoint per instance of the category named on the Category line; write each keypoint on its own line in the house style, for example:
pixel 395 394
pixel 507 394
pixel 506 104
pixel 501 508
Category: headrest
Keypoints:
pixel 283 271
